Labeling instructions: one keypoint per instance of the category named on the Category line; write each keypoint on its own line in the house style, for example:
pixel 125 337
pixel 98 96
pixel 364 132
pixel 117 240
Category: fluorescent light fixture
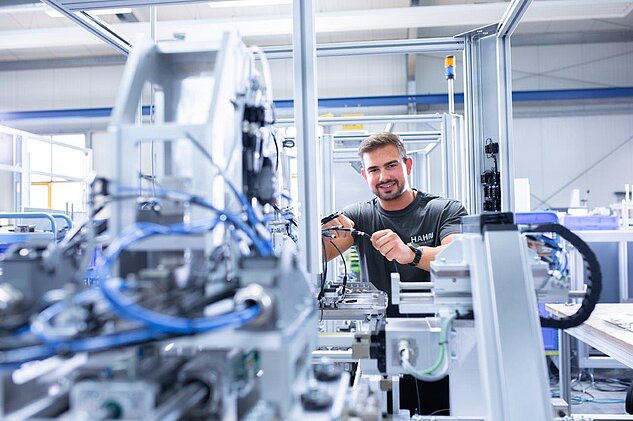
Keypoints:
pixel 97 12
pixel 246 3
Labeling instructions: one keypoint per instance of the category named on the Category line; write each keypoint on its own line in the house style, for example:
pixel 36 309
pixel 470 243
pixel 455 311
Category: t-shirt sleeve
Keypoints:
pixel 353 212
pixel 450 219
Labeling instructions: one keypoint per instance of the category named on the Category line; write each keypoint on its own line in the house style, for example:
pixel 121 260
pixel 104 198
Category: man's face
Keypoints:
pixel 385 171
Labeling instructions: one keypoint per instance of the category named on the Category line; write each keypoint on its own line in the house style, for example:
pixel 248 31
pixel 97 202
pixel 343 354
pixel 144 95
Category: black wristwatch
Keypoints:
pixel 418 254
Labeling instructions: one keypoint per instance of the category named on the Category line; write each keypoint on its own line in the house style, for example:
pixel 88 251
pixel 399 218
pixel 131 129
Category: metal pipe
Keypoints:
pixel 424 45
pixel 66 218
pixel 306 112
pixel 331 121
pixel 181 402
pixel 95 26
pixel 335 355
pixel 33 215
pixel 512 17
pixel 564 374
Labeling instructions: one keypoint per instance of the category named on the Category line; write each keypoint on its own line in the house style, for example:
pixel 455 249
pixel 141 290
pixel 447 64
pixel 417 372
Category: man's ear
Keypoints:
pixel 409 163
pixel 363 173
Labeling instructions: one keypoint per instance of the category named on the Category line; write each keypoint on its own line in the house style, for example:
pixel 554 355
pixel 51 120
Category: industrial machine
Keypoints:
pixel 198 307
pixel 485 328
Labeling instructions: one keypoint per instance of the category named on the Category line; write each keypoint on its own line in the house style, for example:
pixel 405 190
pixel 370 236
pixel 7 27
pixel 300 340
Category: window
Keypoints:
pixel 58 166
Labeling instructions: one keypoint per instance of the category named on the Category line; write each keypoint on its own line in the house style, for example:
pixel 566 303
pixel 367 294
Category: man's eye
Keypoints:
pixel 373 170
pixel 391 166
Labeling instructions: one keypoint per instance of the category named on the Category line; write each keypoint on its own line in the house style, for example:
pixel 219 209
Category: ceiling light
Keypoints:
pixel 97 12
pixel 246 3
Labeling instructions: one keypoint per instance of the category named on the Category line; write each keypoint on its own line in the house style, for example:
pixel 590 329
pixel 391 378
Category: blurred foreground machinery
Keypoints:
pixel 197 307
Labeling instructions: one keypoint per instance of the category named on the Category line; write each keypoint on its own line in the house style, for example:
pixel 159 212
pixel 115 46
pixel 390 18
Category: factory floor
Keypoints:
pixel 602 393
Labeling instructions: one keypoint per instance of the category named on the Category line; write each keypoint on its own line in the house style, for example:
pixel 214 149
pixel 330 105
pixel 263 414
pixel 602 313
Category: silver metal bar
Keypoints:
pixel 305 104
pixel 180 403
pixel 334 355
pixel 95 26
pixel 623 269
pixel 406 136
pixel 506 144
pixel 330 121
pixel 76 5
pixel 425 45
pixel 415 295
pixel 512 17
pixel 328 189
pixel 416 285
pixel 472 131
pixel 564 374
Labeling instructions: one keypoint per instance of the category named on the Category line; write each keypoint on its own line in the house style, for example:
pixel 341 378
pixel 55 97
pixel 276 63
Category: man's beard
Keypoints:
pixel 396 191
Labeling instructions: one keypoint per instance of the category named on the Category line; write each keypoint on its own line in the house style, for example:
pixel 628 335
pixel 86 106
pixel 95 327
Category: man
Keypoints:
pixel 408 229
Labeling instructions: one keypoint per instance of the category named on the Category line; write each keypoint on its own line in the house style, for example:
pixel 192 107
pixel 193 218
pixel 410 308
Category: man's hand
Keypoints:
pixel 392 247
pixel 339 221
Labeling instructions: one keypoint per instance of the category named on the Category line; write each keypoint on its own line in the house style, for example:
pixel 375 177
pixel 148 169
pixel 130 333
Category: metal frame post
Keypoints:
pixel 328 189
pixel 510 347
pixel 305 107
pixel 488 99
pixel 564 372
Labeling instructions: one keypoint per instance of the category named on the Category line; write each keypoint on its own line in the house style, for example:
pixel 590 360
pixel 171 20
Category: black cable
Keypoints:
pixel 345 267
pixel 594 277
pixel 357 233
pixel 447 410
pixel 323 272
pixel 277 151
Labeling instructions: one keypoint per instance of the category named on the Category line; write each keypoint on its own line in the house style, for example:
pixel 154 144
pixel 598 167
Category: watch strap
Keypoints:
pixel 418 254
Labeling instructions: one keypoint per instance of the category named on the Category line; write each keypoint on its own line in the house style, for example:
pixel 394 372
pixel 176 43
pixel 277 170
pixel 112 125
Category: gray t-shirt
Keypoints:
pixel 425 222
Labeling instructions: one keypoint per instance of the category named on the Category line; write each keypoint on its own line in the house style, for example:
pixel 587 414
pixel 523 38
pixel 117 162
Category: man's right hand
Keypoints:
pixel 339 221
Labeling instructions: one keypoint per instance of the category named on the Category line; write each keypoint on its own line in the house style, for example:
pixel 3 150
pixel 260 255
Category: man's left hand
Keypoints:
pixel 390 245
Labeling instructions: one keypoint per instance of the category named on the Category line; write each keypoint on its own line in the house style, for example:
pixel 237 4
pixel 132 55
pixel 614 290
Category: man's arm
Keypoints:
pixel 429 253
pixel 390 245
pixel 343 239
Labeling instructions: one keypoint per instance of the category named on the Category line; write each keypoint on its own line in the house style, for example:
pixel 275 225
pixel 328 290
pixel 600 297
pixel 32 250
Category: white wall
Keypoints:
pixel 552 152
pixel 54 89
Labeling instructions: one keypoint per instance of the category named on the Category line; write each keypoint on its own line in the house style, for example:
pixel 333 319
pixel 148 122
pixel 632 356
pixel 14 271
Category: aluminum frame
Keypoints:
pixel 305 102
pixel 92 24
pixel 488 101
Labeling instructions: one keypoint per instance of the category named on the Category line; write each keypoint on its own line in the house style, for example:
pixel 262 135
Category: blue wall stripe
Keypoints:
pixel 366 101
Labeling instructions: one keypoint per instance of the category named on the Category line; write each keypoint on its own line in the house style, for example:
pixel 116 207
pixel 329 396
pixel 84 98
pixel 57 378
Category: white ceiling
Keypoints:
pixel 28 33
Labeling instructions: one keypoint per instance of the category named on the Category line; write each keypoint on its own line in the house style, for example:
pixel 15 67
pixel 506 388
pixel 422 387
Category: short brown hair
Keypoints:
pixel 380 140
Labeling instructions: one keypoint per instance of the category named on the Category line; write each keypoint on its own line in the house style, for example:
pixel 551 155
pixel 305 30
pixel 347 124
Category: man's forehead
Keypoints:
pixel 381 156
